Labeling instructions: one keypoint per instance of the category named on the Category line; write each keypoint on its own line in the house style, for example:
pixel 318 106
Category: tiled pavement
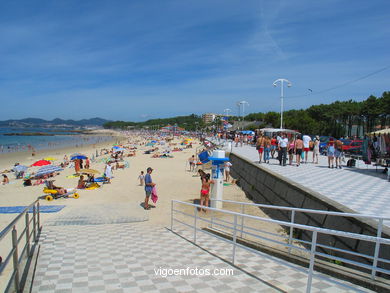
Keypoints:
pixel 124 258
pixel 362 189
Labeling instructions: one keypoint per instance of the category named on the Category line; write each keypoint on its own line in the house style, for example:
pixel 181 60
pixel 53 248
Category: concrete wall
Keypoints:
pixel 266 187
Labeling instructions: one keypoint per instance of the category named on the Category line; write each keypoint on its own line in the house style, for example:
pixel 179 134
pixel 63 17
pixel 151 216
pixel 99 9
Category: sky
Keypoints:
pixel 137 60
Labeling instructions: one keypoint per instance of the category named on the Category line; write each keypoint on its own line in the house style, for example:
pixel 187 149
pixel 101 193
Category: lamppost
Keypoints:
pixel 281 81
pixel 239 104
pixel 226 111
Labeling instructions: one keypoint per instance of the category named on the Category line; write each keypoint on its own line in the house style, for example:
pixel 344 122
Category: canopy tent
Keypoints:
pixel 383 131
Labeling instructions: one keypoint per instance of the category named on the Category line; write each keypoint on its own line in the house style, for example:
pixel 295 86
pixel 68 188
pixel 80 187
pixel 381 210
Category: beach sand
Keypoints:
pixel 171 175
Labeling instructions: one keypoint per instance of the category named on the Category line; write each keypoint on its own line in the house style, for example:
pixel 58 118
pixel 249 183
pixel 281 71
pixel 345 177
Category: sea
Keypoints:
pixel 61 138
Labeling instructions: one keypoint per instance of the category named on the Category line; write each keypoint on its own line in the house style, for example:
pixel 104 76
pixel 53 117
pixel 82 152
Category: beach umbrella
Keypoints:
pixel 89 171
pixel 50 159
pixel 47 170
pixel 41 163
pixel 80 157
pixel 19 168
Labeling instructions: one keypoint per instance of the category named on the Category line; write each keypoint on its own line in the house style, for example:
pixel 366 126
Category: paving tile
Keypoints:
pixel 130 269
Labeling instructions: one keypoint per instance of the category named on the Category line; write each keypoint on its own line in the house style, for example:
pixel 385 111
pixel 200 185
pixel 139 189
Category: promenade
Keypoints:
pixel 128 254
pixel 362 189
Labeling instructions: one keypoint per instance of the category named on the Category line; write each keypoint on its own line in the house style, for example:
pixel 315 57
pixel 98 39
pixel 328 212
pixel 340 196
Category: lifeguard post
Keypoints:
pixel 218 160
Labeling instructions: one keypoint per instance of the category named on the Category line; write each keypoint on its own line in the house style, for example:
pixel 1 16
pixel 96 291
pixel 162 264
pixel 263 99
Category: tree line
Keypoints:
pixel 191 123
pixel 337 119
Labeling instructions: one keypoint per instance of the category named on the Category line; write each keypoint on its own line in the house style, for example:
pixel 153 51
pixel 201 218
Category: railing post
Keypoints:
pixel 212 219
pixel 195 218
pixel 34 224
pixel 312 258
pixel 291 231
pixel 39 215
pixel 234 239
pixel 377 247
pixel 15 258
pixel 172 215
pixel 27 235
pixel 242 218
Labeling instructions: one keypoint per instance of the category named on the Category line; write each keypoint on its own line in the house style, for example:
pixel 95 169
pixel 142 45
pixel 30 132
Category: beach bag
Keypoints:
pixel 154 194
pixel 351 163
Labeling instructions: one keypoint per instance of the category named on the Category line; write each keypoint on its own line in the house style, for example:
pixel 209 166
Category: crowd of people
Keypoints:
pixel 296 147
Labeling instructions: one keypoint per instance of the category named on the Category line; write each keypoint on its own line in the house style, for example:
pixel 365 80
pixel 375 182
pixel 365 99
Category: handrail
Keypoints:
pixel 305 210
pixel 5 231
pixel 26 252
pixel 300 226
pixel 239 227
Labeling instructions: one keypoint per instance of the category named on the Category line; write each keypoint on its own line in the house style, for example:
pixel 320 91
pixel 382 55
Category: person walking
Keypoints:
pixel 316 149
pixel 298 149
pixel 260 146
pixel 274 145
pixel 338 153
pixel 283 149
pixel 267 149
pixel 192 162
pixel 227 171
pixel 306 145
pixel 330 152
pixel 149 184
pixel 291 150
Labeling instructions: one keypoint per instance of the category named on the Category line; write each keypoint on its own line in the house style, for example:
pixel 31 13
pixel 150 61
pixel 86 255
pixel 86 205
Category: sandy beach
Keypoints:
pixel 171 175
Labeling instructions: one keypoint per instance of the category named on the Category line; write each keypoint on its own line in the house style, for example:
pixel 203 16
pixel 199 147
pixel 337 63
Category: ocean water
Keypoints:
pixel 61 138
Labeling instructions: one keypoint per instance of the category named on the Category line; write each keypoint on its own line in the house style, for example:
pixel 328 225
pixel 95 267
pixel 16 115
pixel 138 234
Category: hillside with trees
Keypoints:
pixel 339 118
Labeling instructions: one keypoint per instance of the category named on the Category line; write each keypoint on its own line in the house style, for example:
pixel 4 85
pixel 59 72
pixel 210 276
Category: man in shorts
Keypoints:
pixel 306 145
pixel 148 187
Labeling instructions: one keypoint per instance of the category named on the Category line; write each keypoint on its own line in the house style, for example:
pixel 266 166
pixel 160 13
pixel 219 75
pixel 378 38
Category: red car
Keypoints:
pixel 353 146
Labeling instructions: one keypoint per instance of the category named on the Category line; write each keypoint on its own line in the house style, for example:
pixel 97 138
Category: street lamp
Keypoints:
pixel 226 111
pixel 281 81
pixel 242 104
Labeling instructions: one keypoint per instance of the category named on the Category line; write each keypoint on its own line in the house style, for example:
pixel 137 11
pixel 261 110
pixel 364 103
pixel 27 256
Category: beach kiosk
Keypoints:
pixel 218 160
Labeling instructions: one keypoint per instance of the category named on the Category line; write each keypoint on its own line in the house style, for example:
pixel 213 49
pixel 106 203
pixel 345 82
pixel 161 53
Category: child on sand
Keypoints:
pixel 141 178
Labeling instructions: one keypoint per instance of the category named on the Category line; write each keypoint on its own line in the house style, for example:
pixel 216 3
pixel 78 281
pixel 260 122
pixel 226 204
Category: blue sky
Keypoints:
pixel 136 60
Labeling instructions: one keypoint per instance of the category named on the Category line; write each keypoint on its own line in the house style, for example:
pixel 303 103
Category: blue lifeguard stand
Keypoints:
pixel 218 160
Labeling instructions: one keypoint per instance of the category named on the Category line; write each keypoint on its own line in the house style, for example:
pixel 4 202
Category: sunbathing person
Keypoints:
pixel 50 185
pixel 81 183
pixel 5 179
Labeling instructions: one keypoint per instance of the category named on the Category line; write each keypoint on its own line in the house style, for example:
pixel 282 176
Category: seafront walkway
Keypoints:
pixel 362 189
pixel 121 252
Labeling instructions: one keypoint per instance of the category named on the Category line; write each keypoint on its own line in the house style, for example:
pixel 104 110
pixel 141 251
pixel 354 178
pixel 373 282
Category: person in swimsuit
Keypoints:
pixel 298 149
pixel 260 146
pixel 291 149
pixel 205 192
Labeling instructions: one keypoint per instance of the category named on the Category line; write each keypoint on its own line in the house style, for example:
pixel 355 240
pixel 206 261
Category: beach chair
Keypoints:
pixel 51 193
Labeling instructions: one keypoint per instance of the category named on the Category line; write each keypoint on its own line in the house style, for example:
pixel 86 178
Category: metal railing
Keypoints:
pixel 293 212
pixel 316 232
pixel 31 237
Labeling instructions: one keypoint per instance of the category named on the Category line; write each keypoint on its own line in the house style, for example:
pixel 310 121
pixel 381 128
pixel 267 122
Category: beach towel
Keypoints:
pixel 154 194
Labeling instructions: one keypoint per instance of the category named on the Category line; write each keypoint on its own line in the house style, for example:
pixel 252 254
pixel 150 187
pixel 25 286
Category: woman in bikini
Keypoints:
pixel 205 192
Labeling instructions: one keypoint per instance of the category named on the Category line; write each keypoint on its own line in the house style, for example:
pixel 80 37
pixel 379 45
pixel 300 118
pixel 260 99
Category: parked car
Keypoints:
pixel 355 148
pixel 351 144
